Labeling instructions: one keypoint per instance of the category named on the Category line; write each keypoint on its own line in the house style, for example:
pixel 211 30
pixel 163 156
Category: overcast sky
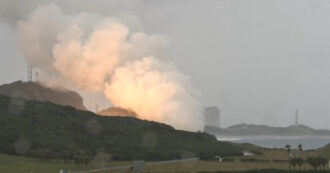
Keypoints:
pixel 256 60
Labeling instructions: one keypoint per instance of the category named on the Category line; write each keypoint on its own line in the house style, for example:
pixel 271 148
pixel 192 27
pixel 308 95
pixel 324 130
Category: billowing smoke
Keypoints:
pixel 100 54
pixel 156 91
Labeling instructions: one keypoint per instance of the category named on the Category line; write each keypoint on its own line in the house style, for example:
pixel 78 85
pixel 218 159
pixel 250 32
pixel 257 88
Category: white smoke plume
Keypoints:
pixel 156 91
pixel 100 54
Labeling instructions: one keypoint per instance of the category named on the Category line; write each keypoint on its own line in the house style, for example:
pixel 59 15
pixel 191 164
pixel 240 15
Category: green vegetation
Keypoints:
pixel 317 162
pixel 47 130
pixel 299 160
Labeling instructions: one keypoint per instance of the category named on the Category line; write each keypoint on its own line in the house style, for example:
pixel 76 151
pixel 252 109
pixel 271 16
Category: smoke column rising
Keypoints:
pixel 100 54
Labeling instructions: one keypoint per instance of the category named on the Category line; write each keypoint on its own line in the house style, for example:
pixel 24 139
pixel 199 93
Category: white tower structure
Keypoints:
pixel 212 116
pixel 36 76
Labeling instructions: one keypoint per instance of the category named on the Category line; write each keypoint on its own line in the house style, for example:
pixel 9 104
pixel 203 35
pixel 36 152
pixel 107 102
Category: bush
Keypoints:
pixel 253 160
pixel 228 160
pixel 281 161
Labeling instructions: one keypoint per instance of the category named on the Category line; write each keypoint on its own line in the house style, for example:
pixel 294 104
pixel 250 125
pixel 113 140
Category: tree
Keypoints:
pixel 65 156
pixel 299 162
pixel 57 156
pixel 288 149
pixel 302 154
pixel 44 154
pixel 293 163
pixel 300 147
pixel 323 162
pixel 296 162
pixel 314 162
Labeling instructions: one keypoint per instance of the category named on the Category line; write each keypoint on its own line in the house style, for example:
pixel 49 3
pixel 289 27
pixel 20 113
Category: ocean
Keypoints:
pixel 280 142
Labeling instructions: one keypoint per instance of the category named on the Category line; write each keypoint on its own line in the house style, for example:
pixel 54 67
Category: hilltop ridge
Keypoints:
pixel 40 92
pixel 117 111
pixel 242 130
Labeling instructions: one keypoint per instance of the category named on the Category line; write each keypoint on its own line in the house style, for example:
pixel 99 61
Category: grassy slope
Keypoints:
pixel 55 127
pixel 324 151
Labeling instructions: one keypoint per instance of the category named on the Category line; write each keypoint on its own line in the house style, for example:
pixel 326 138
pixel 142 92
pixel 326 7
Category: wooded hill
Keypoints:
pixel 27 127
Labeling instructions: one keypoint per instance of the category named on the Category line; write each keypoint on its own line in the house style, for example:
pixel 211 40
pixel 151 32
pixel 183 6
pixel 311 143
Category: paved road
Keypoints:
pixel 128 166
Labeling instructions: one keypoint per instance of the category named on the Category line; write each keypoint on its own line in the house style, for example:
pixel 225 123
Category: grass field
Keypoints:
pixel 14 164
pixel 236 165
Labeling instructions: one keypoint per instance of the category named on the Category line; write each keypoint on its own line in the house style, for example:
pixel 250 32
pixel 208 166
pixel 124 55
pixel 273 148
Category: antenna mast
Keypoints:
pixel 296 123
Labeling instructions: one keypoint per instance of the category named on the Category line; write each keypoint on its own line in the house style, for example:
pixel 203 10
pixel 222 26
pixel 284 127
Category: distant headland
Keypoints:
pixel 247 130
